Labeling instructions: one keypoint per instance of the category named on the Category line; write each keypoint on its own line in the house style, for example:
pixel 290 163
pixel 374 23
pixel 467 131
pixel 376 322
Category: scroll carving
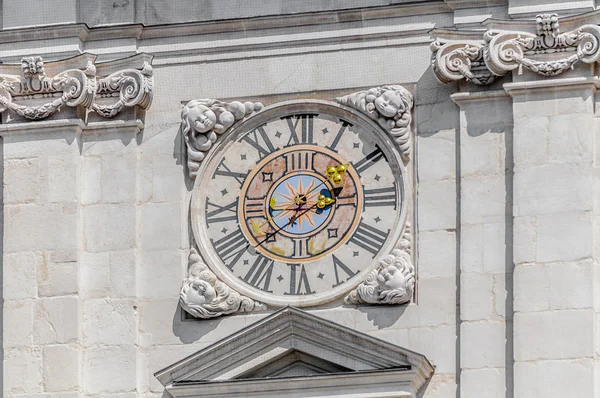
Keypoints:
pixel 393 281
pixel 453 60
pixel 72 87
pixel 204 120
pixel 390 106
pixel 204 296
pixel 547 52
pixel 134 87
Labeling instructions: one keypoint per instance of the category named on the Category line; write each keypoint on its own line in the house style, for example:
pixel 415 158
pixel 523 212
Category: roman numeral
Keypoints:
pixel 263 149
pixel 305 136
pixel 300 247
pixel 299 160
pixel 369 160
pixel 380 197
pixel 302 287
pixel 337 263
pixel 223 170
pixel 260 273
pixel 346 201
pixel 369 238
pixel 230 246
pixel 255 207
pixel 339 134
pixel 217 216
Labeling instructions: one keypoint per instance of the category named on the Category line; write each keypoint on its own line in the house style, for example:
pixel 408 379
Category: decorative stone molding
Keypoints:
pixel 133 87
pixel 457 60
pixel 74 84
pixel 507 50
pixel 546 52
pixel 204 296
pixel 71 87
pixel 204 120
pixel 390 106
pixel 393 281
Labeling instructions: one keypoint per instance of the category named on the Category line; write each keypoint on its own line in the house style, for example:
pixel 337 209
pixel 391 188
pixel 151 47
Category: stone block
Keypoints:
pixel 56 320
pixel 94 275
pixel 109 322
pixel 436 205
pixel 441 386
pixel 440 308
pixel 437 254
pixel 483 200
pixel 40 227
pixel 488 383
pixel 495 248
pixel 61 368
pixel 502 292
pixel 170 264
pixel 109 227
pixel 109 369
pixel 482 345
pixel 471 248
pixel 444 349
pixel 552 188
pixel 571 138
pixel 566 378
pixel 564 237
pixel 21 180
pixel 62 180
pixel 91 180
pixel 531 142
pixel 57 279
pixel 476 296
pixel 572 285
pixel 481 154
pixel 531 288
pixel 22 371
pixel 161 226
pixel 118 178
pixel 18 323
pixel 122 273
pixel 167 179
pixel 524 239
pixel 19 272
pixel 551 335
pixel 437 156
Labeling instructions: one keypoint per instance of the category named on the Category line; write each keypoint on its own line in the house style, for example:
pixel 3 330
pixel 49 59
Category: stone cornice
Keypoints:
pixel 543 49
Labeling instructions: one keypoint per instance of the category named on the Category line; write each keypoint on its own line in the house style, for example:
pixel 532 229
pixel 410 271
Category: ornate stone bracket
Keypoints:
pixel 393 281
pixel 133 87
pixel 204 296
pixel 26 93
pixel 204 120
pixel 457 60
pixel 390 106
pixel 546 52
pixel 71 87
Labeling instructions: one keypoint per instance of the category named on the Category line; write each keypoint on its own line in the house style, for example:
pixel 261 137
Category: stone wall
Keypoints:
pixel 96 211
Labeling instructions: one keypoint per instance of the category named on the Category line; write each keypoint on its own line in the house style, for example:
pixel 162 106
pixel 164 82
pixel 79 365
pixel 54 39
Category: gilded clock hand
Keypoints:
pixel 334 173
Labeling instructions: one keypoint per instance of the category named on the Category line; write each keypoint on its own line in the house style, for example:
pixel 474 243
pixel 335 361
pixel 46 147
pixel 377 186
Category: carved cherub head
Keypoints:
pixel 396 280
pixel 196 292
pixel 389 101
pixel 200 117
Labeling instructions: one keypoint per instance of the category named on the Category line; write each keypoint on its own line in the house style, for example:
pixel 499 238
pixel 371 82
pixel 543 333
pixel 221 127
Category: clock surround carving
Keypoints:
pixel 254 115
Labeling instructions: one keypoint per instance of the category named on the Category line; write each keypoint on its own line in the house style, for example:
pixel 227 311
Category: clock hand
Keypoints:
pixel 334 173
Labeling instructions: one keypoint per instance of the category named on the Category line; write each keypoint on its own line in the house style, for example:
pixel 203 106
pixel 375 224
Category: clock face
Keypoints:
pixel 296 205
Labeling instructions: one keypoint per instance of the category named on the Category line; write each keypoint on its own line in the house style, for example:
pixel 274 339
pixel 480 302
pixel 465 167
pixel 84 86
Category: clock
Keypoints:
pixel 298 202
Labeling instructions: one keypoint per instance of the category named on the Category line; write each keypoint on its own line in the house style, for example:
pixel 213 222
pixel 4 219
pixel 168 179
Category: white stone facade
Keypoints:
pixel 504 183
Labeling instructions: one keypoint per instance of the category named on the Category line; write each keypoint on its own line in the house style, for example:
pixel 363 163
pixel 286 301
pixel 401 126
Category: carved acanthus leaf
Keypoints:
pixel 393 281
pixel 204 120
pixel 457 60
pixel 204 296
pixel 390 106
pixel 134 87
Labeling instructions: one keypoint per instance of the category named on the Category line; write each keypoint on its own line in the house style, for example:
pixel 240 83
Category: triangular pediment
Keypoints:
pixel 296 349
